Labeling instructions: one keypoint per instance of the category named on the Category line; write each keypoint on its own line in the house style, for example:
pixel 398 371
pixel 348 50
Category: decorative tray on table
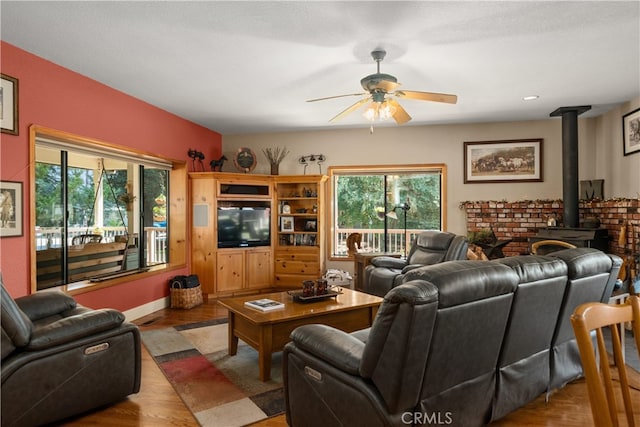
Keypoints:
pixel 297 296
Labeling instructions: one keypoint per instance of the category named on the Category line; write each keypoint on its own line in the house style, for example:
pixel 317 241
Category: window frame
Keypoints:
pixel 380 170
pixel 177 221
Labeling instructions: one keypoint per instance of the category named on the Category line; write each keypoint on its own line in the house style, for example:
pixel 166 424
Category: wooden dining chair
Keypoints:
pixel 544 247
pixel 602 395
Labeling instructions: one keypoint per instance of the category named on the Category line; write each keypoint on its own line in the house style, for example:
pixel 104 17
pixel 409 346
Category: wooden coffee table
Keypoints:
pixel 268 332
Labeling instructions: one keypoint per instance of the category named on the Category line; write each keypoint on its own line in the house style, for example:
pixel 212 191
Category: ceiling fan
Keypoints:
pixel 381 91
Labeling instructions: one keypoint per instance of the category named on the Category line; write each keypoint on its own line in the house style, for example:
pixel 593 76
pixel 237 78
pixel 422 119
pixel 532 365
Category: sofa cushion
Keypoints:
pixel 532 268
pixel 583 262
pixel 452 279
pixel 435 240
pixel 430 247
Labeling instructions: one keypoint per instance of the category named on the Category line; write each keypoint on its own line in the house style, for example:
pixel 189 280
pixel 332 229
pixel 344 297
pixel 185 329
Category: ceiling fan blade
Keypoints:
pixel 351 109
pixel 336 96
pixel 400 116
pixel 427 96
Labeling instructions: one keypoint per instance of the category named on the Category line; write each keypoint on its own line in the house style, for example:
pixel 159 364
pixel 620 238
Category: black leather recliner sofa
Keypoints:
pixel 429 247
pixel 61 359
pixel 459 343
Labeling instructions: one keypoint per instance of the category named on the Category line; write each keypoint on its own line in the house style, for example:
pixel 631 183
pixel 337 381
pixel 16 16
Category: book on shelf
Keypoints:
pixel 264 304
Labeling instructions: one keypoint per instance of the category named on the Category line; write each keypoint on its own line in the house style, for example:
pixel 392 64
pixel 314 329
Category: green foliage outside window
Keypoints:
pixel 361 201
pixel 360 205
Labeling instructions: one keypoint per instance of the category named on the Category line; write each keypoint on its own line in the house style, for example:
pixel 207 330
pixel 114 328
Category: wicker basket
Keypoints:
pixel 185 297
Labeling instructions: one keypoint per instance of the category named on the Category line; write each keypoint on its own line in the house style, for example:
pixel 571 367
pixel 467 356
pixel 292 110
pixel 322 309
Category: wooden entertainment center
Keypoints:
pixel 295 250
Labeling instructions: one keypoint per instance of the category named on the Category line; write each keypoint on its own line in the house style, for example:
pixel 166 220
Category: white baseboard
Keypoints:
pixel 148 308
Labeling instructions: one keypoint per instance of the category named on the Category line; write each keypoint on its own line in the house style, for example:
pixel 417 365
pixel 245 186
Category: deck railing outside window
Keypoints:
pixel 373 240
pixel 155 238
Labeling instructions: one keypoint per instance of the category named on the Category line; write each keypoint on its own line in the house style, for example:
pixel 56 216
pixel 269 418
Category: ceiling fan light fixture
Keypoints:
pixel 379 111
pixel 371 112
pixel 386 110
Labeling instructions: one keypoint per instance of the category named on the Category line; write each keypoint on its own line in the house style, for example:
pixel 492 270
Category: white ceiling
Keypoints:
pixel 248 67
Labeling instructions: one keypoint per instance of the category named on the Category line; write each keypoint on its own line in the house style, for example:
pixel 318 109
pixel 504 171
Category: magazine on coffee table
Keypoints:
pixel 264 304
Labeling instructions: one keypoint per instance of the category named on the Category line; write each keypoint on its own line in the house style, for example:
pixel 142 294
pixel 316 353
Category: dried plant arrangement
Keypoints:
pixel 275 156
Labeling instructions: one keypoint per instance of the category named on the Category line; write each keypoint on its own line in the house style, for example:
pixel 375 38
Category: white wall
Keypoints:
pixel 600 157
pixel 621 173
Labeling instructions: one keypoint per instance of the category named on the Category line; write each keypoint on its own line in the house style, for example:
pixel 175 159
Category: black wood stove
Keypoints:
pixel 570 232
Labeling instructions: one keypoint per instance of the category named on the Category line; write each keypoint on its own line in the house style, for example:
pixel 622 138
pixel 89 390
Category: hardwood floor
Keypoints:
pixel 157 404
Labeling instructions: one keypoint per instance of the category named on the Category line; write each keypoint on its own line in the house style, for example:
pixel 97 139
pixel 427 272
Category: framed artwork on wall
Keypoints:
pixel 10 209
pixel 8 104
pixel 519 160
pixel 631 132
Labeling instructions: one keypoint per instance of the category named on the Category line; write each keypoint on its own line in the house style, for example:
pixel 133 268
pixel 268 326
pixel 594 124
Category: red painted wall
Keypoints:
pixel 58 98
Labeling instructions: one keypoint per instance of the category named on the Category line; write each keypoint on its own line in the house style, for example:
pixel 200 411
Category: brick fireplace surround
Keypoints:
pixel 521 219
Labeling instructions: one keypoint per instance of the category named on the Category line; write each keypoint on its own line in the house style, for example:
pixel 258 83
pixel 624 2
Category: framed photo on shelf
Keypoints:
pixel 310 225
pixel 286 224
pixel 519 160
pixel 8 104
pixel 10 209
pixel 631 132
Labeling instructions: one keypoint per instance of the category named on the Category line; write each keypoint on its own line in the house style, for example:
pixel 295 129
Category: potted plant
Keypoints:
pixel 127 199
pixel 481 237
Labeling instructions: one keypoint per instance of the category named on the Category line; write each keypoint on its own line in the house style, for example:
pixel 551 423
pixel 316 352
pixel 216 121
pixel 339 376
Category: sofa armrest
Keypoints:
pixel 44 304
pixel 389 262
pixel 410 267
pixel 75 327
pixel 333 346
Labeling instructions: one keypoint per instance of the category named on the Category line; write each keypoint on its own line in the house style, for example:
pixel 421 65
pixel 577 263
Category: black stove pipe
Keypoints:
pixel 570 192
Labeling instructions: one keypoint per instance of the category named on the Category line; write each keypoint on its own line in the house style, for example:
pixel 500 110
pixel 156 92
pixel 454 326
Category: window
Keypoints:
pixel 101 212
pixel 387 205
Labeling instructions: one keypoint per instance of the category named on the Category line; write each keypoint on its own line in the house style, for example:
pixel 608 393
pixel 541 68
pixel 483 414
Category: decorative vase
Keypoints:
pixel 275 168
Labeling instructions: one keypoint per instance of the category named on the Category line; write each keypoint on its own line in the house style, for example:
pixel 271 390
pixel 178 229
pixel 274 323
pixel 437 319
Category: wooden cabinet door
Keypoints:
pixel 259 268
pixel 229 270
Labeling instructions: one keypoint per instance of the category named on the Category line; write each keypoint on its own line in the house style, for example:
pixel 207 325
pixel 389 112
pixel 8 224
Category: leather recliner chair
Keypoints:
pixel 429 247
pixel 523 366
pixel 541 355
pixel 590 271
pixel 431 352
pixel 60 359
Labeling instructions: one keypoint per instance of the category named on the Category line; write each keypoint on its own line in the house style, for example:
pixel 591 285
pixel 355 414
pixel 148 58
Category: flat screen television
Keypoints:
pixel 241 226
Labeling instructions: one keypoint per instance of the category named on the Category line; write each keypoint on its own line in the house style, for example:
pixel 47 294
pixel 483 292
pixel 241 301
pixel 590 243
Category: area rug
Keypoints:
pixel 220 390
